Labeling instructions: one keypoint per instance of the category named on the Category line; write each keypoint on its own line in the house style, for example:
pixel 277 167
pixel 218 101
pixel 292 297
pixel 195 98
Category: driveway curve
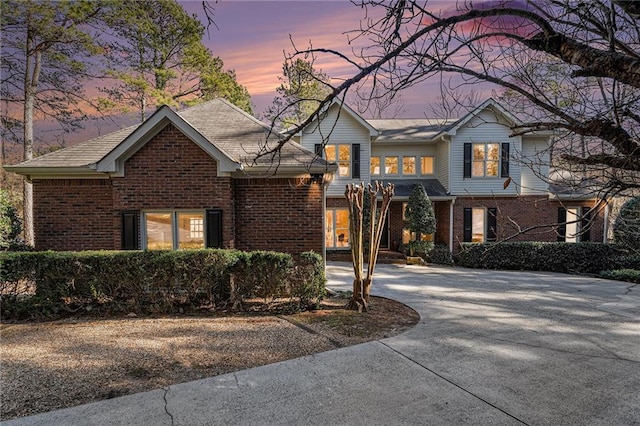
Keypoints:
pixel 492 347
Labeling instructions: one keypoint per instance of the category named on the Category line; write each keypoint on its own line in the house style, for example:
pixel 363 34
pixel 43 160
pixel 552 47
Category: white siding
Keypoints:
pixel 442 163
pixel 345 131
pixel 534 162
pixel 484 128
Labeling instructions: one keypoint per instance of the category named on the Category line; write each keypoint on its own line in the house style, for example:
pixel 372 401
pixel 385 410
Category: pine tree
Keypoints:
pixel 422 220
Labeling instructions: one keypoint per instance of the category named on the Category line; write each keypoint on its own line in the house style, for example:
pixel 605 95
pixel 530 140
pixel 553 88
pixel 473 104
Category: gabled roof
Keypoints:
pixel 431 129
pixel 489 103
pixel 346 109
pixel 225 132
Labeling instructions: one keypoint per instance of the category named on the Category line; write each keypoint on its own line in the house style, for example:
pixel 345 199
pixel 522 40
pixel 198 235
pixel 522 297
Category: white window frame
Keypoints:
pixel 334 236
pixel 174 226
pixel 336 146
pixel 485 160
pixel 433 165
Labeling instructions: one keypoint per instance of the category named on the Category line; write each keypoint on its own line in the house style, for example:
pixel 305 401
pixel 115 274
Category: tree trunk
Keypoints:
pixel 31 77
pixel 358 301
pixel 366 289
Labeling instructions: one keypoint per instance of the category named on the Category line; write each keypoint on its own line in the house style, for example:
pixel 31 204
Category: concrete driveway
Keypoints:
pixel 491 348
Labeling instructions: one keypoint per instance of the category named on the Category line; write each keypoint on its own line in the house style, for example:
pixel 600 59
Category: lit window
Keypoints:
pixel 408 165
pixel 173 230
pixel 486 159
pixel 408 236
pixel 337 228
pixel 343 158
pixel 477 227
pixel 159 231
pixel 426 165
pixel 190 230
pixel 375 165
pixel 391 165
pixel 480 224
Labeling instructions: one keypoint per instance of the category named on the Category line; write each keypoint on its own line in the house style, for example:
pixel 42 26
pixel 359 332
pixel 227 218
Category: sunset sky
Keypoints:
pixel 250 38
pixel 252 35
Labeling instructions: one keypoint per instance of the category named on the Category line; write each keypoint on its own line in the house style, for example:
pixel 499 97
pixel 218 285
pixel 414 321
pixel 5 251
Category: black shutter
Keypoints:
pixel 317 148
pixel 130 220
pixel 214 228
pixel 504 169
pixel 492 223
pixel 466 224
pixel 355 161
pixel 562 226
pixel 467 160
pixel 585 225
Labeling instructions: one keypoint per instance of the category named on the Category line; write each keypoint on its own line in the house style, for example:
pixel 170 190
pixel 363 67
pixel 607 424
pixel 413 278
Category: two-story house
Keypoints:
pixel 485 185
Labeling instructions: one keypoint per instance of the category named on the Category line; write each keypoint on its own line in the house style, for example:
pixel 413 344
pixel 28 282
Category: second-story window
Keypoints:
pixel 486 158
pixel 375 166
pixel 340 154
pixel 426 165
pixel 391 165
pixel 408 165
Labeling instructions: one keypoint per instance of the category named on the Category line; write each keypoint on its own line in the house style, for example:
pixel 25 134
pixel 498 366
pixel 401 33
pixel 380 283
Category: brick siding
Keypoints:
pixel 515 214
pixel 279 214
pixel 172 172
pixel 73 214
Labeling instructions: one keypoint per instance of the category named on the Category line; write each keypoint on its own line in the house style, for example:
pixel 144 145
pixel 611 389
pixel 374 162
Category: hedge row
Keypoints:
pixel 588 258
pixel 48 284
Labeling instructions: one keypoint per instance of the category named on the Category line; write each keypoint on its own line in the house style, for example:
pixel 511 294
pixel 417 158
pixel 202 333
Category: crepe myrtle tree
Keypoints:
pixel 565 67
pixel 356 195
pixel 422 220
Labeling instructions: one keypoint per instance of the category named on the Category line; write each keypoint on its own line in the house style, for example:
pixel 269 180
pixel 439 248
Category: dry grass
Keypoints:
pixel 52 365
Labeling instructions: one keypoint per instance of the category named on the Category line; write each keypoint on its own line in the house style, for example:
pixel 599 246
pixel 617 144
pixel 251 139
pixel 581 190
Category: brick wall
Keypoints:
pixel 73 214
pixel 278 214
pixel 515 214
pixel 172 172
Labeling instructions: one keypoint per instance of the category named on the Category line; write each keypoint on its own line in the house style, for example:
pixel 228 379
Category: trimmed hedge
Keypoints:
pixel 589 258
pixel 629 275
pixel 49 284
pixel 440 254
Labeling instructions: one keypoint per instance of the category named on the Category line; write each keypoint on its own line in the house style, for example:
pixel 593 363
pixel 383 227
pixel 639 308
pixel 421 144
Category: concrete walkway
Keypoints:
pixel 491 348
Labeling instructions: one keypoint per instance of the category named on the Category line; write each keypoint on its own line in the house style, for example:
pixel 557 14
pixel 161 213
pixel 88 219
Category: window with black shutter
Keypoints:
pixel 467 160
pixel 492 224
pixel 504 167
pixel 466 233
pixel 214 229
pixel 355 161
pixel 585 225
pixel 562 226
pixel 130 221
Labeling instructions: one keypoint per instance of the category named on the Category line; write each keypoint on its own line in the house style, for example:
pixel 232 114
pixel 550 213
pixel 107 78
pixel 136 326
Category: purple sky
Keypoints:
pixel 250 38
pixel 252 35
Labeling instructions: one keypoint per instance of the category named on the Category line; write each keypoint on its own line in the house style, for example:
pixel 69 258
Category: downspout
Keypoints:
pixel 453 201
pixel 605 232
pixel 324 222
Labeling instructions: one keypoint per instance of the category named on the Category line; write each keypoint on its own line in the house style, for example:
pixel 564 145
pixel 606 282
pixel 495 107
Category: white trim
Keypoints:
pixel 175 231
pixel 453 201
pixel 114 161
pixel 373 132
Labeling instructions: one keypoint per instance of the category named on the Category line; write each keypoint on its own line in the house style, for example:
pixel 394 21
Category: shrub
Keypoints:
pixel 584 257
pixel 440 254
pixel 629 275
pixel 49 284
pixel 308 280
pixel 626 228
pixel 422 220
pixel 10 225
